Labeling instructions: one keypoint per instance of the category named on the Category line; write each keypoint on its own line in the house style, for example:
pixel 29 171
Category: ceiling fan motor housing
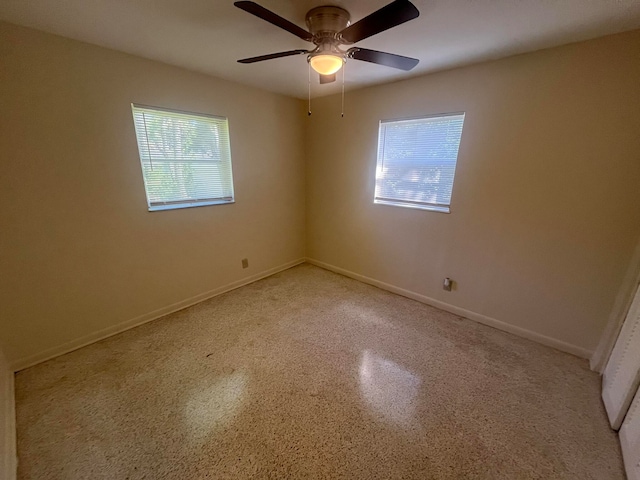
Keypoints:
pixel 325 23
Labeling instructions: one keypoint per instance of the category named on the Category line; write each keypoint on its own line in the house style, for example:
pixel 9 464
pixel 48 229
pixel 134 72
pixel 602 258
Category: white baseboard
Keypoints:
pixel 53 352
pixel 9 459
pixel 147 317
pixel 492 322
pixel 629 465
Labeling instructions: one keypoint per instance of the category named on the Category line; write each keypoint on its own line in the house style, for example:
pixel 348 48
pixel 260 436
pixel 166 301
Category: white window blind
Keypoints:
pixel 185 158
pixel 417 161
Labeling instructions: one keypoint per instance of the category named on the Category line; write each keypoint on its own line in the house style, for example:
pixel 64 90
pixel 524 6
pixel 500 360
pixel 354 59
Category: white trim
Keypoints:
pixel 147 317
pixel 628 457
pixel 492 322
pixel 621 376
pixel 619 311
pixel 629 435
pixel 9 462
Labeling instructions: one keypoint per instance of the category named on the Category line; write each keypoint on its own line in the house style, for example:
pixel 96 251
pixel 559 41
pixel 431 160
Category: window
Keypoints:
pixel 417 161
pixel 185 158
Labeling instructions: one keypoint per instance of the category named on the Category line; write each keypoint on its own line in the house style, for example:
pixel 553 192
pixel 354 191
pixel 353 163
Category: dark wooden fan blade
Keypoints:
pixel 272 56
pixel 387 17
pixel 382 58
pixel 261 12
pixel 327 78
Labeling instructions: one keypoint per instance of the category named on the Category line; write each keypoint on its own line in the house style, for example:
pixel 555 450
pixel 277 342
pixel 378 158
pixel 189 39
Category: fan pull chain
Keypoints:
pixel 343 69
pixel 309 110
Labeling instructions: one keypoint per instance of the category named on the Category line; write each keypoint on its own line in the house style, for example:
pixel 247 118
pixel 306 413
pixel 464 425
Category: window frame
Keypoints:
pixel 178 204
pixel 440 208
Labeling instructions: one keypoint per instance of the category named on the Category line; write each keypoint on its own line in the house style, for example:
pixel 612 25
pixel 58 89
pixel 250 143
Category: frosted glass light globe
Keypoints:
pixel 326 64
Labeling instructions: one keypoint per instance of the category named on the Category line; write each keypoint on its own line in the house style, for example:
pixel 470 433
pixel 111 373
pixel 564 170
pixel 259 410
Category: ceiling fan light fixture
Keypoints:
pixel 326 64
pixel 330 29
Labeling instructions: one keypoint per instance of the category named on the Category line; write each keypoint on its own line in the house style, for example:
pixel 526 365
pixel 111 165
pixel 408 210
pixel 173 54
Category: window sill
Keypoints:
pixel 418 206
pixel 174 206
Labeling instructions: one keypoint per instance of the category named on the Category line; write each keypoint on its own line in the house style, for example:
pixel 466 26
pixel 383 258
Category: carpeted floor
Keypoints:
pixel 308 374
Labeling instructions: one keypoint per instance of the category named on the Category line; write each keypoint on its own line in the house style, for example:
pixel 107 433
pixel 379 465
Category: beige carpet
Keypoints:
pixel 308 374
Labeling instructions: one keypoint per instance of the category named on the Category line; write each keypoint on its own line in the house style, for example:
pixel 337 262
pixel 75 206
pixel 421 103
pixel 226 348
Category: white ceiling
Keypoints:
pixel 210 35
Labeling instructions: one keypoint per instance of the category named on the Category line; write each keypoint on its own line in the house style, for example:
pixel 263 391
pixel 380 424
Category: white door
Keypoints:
pixel 630 439
pixel 622 375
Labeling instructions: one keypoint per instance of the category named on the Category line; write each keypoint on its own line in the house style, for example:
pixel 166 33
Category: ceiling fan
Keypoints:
pixel 330 29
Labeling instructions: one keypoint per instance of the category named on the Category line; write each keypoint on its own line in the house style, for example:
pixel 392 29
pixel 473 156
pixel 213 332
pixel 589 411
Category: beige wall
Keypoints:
pixel 546 201
pixel 545 210
pixel 79 252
